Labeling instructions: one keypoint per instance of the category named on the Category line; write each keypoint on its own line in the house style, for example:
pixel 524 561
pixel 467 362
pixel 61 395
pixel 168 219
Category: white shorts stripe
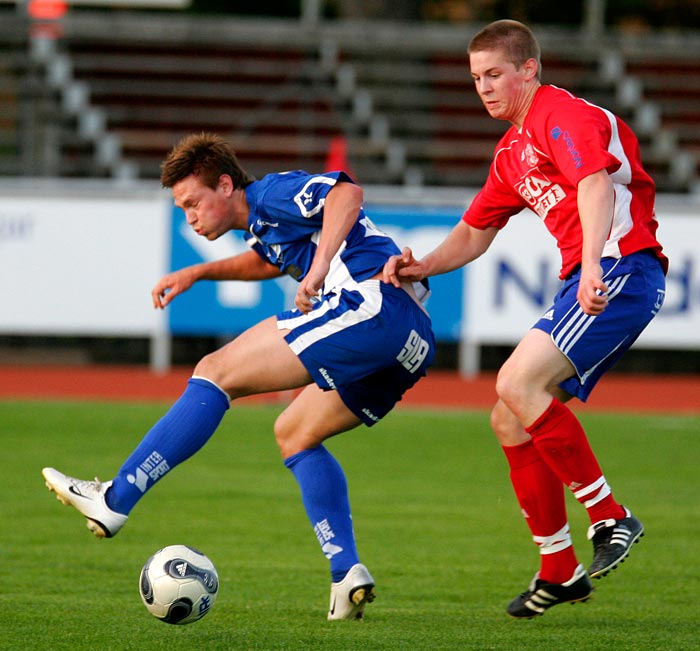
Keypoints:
pixel 573 329
pixel 290 324
pixel 371 306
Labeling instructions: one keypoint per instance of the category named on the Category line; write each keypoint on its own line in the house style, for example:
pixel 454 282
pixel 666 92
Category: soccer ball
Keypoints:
pixel 178 584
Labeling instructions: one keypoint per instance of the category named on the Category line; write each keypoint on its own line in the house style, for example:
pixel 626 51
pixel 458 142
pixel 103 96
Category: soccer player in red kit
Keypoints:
pixel 578 167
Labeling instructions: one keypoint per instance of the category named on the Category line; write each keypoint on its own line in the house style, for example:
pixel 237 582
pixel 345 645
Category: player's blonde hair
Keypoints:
pixel 207 156
pixel 512 37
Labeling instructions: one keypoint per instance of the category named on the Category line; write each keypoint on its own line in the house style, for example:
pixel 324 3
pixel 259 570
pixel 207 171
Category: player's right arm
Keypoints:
pixel 464 244
pixel 245 266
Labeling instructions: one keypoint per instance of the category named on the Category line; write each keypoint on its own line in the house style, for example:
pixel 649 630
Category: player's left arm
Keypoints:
pixel 596 201
pixel 341 208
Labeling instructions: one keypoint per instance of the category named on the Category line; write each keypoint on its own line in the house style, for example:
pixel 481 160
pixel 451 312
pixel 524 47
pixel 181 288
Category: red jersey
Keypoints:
pixel 564 139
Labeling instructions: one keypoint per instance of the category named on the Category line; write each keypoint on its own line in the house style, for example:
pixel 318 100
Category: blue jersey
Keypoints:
pixel 286 216
pixel 367 340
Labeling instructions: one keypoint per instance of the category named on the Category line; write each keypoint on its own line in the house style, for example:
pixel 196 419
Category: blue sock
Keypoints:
pixel 324 492
pixel 184 429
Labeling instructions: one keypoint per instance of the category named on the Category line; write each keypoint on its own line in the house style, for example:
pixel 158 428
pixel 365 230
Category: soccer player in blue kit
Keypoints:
pixel 356 344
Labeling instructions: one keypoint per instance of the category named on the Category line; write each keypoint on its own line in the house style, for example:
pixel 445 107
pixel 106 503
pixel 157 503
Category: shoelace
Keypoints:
pixel 86 486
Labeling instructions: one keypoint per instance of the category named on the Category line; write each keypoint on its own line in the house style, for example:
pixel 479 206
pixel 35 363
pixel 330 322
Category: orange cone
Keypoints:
pixel 337 158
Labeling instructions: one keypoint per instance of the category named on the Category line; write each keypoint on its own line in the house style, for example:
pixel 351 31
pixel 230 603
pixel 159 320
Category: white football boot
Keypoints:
pixel 88 497
pixel 349 596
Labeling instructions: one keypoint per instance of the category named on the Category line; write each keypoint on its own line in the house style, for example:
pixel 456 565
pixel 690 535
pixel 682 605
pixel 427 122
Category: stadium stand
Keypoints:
pixel 115 92
pixel 11 60
pixel 671 83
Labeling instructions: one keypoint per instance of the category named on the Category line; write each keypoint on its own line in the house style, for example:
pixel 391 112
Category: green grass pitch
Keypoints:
pixel 435 519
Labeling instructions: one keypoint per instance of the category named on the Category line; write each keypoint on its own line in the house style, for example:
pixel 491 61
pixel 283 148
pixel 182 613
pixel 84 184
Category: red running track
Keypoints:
pixel 675 394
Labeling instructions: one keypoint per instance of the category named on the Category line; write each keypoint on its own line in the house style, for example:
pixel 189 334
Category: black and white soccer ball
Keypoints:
pixel 178 584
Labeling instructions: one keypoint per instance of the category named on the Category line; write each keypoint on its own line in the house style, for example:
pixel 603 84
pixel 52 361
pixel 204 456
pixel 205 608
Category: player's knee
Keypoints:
pixel 293 434
pixel 506 387
pixel 498 418
pixel 506 426
pixel 209 368
pixel 287 435
pixel 212 368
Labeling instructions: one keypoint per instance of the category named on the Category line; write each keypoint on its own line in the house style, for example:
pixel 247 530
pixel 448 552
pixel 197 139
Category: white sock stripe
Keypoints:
pixel 602 494
pixel 556 547
pixel 582 492
pixel 554 543
pixel 542 540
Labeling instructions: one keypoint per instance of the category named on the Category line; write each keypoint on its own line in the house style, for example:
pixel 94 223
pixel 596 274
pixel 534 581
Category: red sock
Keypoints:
pixel 562 443
pixel 541 498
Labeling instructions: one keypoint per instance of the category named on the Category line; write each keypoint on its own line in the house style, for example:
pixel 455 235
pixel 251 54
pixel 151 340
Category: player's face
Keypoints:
pixel 207 211
pixel 504 89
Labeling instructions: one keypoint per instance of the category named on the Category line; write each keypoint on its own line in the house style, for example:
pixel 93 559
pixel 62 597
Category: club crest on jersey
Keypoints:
pixel 529 155
pixel 304 199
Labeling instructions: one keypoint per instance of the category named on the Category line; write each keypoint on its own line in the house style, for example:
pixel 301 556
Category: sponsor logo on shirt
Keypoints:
pixel 556 134
pixel 540 192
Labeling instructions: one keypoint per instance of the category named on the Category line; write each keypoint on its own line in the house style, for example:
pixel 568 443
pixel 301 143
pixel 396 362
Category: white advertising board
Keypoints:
pixel 81 265
pixel 81 258
pixel 513 283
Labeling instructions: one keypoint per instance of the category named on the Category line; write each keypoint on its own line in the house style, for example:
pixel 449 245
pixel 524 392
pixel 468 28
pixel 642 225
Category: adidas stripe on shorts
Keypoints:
pixel 636 291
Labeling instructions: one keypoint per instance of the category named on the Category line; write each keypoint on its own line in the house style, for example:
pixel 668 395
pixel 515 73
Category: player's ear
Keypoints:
pixel 531 68
pixel 226 184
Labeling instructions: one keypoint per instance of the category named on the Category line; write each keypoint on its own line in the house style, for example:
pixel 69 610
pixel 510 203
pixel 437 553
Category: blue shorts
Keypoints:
pixel 370 343
pixel 636 291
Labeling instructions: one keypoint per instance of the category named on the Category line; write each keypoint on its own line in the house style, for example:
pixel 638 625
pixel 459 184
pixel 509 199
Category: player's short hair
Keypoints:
pixel 207 156
pixel 512 37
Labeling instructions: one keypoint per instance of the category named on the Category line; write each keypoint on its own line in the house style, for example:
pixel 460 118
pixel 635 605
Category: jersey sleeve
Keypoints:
pixel 254 245
pixel 494 204
pixel 578 137
pixel 307 192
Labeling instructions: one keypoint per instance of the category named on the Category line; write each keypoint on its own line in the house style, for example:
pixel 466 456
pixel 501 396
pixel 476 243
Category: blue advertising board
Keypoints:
pixel 228 308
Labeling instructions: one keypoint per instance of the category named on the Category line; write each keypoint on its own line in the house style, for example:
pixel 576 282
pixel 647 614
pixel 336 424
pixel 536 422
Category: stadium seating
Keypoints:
pixel 11 58
pixel 120 89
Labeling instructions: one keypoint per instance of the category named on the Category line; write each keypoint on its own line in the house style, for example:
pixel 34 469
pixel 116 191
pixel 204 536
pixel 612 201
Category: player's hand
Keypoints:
pixel 592 294
pixel 310 287
pixel 170 285
pixel 402 268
